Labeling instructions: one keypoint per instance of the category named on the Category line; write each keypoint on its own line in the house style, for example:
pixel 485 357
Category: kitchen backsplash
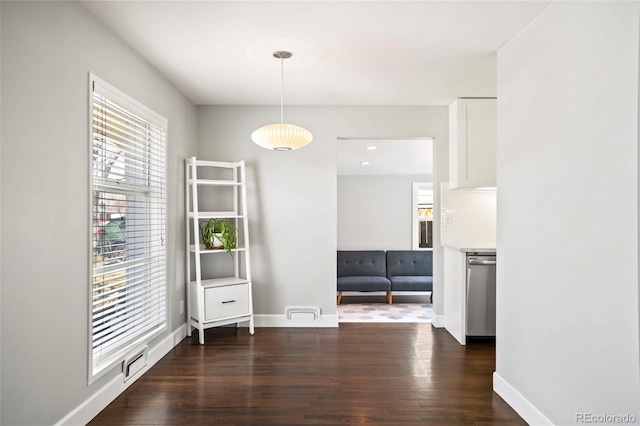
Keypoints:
pixel 468 217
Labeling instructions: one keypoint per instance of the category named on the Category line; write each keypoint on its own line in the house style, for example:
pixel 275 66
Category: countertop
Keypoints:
pixel 466 248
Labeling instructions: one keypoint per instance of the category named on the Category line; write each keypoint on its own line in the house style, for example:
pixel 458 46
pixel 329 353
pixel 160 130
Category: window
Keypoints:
pixel 422 216
pixel 128 265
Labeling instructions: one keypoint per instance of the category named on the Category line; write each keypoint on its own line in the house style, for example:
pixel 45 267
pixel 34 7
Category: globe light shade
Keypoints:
pixel 281 137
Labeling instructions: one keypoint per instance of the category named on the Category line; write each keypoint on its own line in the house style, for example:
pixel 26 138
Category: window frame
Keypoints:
pixel 134 344
pixel 416 187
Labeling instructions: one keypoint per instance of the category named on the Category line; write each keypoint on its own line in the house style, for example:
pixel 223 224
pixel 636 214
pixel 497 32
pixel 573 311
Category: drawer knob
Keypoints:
pixel 228 301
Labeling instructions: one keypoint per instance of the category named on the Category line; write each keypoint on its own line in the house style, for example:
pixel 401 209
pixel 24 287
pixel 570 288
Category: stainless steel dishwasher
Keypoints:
pixel 481 294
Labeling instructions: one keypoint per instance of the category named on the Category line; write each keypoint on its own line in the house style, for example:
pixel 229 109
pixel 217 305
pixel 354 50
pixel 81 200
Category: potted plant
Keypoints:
pixel 219 234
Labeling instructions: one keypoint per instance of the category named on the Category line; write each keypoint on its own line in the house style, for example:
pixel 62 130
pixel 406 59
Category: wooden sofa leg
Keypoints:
pixel 339 297
pixel 389 298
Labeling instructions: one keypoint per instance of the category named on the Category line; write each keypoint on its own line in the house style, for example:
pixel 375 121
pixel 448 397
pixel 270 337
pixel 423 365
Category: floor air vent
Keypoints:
pixel 134 363
pixel 302 313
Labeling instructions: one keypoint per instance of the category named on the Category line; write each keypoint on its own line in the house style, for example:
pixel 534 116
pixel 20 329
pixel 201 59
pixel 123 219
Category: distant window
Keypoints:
pixel 422 215
pixel 128 265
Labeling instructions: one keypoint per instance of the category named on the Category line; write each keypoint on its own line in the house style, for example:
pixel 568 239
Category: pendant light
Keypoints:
pixel 281 137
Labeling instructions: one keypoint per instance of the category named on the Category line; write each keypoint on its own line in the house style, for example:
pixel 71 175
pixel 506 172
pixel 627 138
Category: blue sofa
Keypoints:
pixel 410 270
pixel 388 271
pixel 362 270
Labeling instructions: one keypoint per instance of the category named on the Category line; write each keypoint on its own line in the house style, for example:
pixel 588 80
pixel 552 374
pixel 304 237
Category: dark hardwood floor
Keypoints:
pixel 387 374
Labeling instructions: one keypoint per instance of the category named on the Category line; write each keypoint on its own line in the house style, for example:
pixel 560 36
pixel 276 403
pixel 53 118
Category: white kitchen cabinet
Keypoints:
pixel 218 282
pixel 472 143
pixel 454 293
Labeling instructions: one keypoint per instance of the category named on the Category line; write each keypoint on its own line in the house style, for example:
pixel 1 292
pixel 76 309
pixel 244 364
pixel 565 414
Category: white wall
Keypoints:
pixel 440 175
pixel 293 195
pixel 376 212
pixel 567 339
pixel 48 49
pixel 0 222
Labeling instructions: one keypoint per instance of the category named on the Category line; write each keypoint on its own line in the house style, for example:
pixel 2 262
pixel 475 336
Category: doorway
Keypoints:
pixel 377 209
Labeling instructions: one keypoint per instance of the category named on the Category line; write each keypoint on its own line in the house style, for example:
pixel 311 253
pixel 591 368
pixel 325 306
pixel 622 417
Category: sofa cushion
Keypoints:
pixel 361 263
pixel 364 283
pixel 409 263
pixel 411 283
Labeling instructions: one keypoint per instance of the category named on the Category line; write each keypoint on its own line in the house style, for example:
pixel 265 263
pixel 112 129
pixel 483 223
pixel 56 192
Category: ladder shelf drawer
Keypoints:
pixel 226 302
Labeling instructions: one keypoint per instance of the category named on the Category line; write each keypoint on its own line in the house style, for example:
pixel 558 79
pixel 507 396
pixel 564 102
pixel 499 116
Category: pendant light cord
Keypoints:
pixel 281 90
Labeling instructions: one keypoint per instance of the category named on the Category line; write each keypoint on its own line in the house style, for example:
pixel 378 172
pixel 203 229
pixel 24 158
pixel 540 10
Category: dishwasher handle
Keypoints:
pixel 474 261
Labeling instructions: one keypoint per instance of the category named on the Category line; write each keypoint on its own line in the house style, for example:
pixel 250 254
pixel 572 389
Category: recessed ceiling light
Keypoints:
pixel 364 163
pixel 371 148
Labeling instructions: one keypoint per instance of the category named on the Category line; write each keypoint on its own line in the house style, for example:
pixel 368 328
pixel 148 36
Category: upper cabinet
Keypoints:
pixel 472 143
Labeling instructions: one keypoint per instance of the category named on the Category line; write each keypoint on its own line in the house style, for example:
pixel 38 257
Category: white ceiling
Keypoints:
pixel 344 53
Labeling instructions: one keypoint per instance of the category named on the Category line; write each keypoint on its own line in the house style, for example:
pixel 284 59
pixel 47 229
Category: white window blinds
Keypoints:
pixel 128 257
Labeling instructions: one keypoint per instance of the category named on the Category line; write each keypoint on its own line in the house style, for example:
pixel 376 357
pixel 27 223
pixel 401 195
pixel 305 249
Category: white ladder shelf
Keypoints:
pixel 219 288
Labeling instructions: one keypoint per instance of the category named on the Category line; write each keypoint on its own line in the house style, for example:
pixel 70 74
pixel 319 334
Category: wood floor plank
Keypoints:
pixel 385 374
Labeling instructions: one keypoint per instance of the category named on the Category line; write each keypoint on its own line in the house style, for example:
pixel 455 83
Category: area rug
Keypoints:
pixel 381 312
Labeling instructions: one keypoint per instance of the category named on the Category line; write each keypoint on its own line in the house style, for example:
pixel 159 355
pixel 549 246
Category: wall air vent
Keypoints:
pixel 134 363
pixel 302 313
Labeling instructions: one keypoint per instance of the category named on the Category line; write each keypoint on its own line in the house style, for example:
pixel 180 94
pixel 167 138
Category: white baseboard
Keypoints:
pixel 518 402
pixel 282 321
pixel 438 321
pixel 91 407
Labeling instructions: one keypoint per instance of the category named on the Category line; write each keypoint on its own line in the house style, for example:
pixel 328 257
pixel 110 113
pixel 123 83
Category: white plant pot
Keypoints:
pixel 217 241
